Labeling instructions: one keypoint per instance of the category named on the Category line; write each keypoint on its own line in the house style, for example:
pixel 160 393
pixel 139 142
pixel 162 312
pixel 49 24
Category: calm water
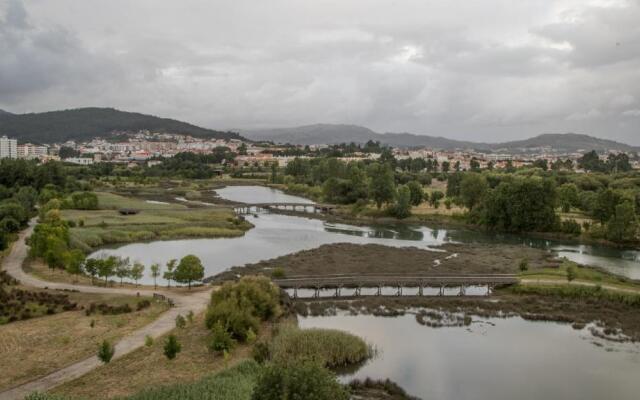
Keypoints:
pixel 495 359
pixel 277 235
pixel 492 359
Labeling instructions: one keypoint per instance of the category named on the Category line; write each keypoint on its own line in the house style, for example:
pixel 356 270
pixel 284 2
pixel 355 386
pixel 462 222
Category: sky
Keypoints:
pixel 484 70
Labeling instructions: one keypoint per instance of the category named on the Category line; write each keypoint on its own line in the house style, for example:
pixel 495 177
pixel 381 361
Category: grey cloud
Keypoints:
pixel 471 70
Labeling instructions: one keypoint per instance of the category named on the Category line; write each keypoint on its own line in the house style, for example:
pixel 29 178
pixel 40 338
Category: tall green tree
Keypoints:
pixel 189 269
pixel 137 271
pixel 417 193
pixel 155 274
pixel 623 226
pixel 472 188
pixel 382 185
pixel 402 207
pixel 168 274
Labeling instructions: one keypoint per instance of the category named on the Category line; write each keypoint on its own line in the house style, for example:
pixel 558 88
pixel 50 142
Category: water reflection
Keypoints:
pixel 276 235
pixel 492 359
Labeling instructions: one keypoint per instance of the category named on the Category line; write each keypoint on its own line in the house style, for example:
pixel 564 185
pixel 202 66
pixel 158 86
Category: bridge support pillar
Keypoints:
pixel 337 292
pixel 420 290
pixel 316 292
pixel 399 292
pixel 295 292
pixel 441 292
pixel 379 293
pixel 462 292
pixel 489 289
pixel 358 291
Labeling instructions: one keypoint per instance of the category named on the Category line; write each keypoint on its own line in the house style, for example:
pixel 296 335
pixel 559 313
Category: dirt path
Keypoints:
pixel 195 302
pixel 577 283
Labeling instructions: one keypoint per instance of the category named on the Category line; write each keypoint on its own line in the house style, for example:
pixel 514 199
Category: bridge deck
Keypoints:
pixel 337 281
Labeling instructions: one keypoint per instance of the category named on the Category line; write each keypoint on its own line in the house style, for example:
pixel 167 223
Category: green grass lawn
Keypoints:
pixel 95 228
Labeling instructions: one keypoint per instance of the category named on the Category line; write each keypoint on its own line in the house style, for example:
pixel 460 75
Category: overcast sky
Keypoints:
pixel 486 70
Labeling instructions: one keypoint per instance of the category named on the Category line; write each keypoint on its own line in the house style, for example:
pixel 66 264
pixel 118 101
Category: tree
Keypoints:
pixel 402 207
pixel 242 149
pixel 155 274
pixel 122 268
pixel 472 188
pixel 382 185
pixel 137 271
pixel 106 267
pixel 172 347
pixel 435 198
pixel 623 226
pixel 106 351
pixel 417 194
pixel 75 259
pixel 190 269
pixel 168 274
pixel 591 162
pixel 298 380
pixel 91 266
pixel 521 204
pixel 568 196
pixel 605 205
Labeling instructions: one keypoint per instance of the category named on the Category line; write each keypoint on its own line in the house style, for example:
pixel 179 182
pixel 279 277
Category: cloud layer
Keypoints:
pixel 492 70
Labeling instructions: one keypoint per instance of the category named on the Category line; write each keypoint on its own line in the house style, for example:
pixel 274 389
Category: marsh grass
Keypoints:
pixel 331 348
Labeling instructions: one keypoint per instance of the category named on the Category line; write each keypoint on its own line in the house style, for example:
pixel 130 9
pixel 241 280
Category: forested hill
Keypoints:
pixel 88 123
pixel 335 134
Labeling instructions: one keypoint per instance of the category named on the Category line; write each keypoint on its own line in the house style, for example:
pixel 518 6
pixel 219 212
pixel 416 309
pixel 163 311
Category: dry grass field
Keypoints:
pixel 149 368
pixel 36 347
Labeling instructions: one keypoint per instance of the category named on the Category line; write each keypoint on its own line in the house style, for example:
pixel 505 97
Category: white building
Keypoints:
pixel 8 147
pixel 79 160
pixel 30 151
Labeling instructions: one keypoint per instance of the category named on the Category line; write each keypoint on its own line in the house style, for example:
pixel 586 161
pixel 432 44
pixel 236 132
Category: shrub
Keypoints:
pixel 221 339
pixel 524 265
pixel 571 273
pixel 172 347
pixel 106 351
pixel 330 348
pixel 298 381
pixel 180 321
pixel 278 273
pixel 240 306
pixel 571 227
pixel 148 341
pixel 260 352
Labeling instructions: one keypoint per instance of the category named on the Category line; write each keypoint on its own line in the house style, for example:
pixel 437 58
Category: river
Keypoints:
pixel 490 359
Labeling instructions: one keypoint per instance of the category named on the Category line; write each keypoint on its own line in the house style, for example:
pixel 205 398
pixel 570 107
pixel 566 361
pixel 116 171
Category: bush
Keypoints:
pixel 106 351
pixel 328 347
pixel 180 321
pixel 221 339
pixel 524 265
pixel 278 273
pixel 298 381
pixel 172 347
pixel 240 306
pixel 260 352
pixel 571 273
pixel 148 341
pixel 571 227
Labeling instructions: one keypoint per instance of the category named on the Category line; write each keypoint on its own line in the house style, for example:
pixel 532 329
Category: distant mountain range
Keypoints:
pixel 89 123
pixel 335 134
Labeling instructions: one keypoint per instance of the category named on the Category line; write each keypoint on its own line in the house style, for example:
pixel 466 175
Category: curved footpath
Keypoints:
pixel 195 302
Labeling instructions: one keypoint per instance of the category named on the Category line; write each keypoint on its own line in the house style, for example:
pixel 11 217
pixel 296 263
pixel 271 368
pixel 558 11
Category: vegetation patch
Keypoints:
pixel 331 348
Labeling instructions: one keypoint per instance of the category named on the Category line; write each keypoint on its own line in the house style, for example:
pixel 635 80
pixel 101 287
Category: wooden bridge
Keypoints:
pixel 250 208
pixel 357 282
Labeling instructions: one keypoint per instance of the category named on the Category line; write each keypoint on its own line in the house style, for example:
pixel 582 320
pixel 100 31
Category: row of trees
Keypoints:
pixel 188 270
